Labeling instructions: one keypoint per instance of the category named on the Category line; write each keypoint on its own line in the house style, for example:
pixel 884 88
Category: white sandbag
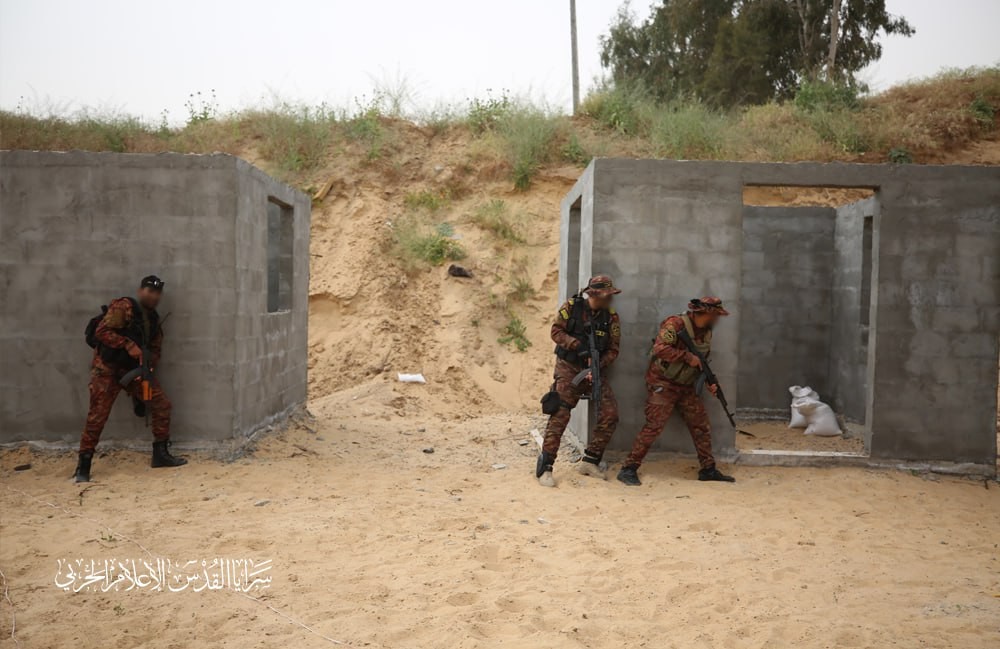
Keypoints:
pixel 798 420
pixel 820 417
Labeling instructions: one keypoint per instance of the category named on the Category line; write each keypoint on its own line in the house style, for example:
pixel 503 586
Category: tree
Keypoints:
pixel 730 52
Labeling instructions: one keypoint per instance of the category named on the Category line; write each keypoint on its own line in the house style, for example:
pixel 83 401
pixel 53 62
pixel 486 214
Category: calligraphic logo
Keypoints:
pixel 164 575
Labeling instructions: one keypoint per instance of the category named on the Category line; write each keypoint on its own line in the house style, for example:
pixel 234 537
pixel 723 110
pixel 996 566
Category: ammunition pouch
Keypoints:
pixel 551 403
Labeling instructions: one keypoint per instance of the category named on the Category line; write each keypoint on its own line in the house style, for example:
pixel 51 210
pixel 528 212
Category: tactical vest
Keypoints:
pixel 580 317
pixel 680 372
pixel 141 329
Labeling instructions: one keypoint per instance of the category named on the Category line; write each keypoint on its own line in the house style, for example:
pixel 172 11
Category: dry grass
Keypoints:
pixel 918 121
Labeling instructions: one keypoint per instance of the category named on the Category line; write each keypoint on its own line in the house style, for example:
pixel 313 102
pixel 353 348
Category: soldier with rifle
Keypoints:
pixel 587 333
pixel 677 372
pixel 127 341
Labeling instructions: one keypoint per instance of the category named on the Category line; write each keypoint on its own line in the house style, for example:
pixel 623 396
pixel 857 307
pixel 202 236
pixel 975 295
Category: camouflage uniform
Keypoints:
pixel 104 375
pixel 569 364
pixel 670 383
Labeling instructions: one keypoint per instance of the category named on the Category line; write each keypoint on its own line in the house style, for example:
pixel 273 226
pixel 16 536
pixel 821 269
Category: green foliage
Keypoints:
pixel 823 95
pixel 521 288
pixel 487 114
pixel 296 137
pixel 426 199
pixel 573 151
pixel 900 156
pixel 622 108
pixel 514 332
pixel 417 243
pixel 495 217
pixel 739 52
pixel 689 130
pixel 201 109
pixel 528 134
pixel 983 111
pixel 365 125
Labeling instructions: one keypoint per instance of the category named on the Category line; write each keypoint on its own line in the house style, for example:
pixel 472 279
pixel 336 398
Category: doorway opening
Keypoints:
pixel 809 283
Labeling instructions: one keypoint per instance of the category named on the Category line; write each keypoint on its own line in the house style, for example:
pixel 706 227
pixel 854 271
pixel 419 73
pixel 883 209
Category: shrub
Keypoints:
pixel 983 112
pixel 689 130
pixel 573 151
pixel 416 243
pixel 824 95
pixel 521 288
pixel 528 135
pixel 900 156
pixel 624 109
pixel 487 114
pixel 295 137
pixel 365 126
pixel 494 217
pixel 514 333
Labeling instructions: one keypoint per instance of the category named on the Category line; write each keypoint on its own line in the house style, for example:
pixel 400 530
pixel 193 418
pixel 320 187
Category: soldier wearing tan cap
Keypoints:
pixel 670 384
pixel 589 310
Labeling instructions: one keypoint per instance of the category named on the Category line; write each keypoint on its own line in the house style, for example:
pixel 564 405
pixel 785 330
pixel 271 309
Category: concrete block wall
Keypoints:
pixel 79 229
pixel 847 376
pixel 271 347
pixel 671 230
pixel 785 302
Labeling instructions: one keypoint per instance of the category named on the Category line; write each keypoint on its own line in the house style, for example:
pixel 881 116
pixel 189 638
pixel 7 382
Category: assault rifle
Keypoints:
pixel 707 375
pixel 144 373
pixel 594 368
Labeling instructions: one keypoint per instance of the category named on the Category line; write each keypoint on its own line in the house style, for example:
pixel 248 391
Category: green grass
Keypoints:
pixel 522 289
pixel 925 119
pixel 418 244
pixel 426 200
pixel 528 134
pixel 494 216
pixel 513 333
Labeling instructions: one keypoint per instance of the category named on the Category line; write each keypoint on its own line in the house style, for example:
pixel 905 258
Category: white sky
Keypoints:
pixel 142 57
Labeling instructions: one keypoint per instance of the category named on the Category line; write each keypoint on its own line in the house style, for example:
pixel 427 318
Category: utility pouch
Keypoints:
pixel 551 402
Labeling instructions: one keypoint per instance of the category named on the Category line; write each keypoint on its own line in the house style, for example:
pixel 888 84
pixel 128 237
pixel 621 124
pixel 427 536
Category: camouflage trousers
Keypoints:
pixel 661 401
pixel 104 388
pixel 569 395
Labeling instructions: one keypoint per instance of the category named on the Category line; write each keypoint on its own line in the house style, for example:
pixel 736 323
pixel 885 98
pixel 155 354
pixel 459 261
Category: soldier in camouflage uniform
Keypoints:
pixel 129 326
pixel 589 308
pixel 673 371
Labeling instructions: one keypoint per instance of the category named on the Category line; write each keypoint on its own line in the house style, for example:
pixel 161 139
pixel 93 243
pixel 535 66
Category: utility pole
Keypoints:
pixel 576 63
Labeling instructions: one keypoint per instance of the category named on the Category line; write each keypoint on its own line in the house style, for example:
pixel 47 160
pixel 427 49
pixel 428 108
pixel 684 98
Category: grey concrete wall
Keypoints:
pixel 271 347
pixel 670 230
pixel 848 358
pixel 785 302
pixel 79 229
pixel 666 235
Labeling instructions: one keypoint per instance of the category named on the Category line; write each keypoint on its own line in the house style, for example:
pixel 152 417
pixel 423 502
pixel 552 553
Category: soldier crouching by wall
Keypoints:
pixel 670 384
pixel 590 308
pixel 130 326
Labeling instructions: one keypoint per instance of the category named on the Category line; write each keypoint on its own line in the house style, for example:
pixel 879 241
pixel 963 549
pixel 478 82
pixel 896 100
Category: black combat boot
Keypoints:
pixel 543 470
pixel 83 467
pixel 629 476
pixel 544 464
pixel 713 474
pixel 162 456
pixel 591 465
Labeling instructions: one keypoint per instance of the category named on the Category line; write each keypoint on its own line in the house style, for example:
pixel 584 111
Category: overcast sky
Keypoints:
pixel 142 57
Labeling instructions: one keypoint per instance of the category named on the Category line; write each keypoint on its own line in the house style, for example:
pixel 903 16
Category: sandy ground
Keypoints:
pixel 376 543
pixel 776 435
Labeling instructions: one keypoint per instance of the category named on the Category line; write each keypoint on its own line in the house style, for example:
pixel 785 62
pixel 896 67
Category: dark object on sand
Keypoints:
pixel 457 271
